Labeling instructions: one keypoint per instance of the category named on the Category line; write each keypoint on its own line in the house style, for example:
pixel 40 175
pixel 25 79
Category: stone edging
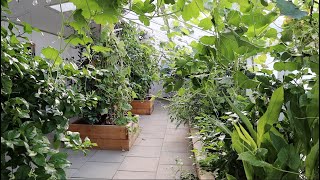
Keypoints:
pixel 197 144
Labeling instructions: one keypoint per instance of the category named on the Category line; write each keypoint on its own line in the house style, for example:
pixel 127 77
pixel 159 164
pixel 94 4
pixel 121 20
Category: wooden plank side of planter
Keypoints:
pixel 197 144
pixel 108 136
pixel 100 131
pixel 142 107
pixel 141 104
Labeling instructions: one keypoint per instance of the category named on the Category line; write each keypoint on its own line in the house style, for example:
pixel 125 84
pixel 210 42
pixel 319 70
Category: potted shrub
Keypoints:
pixel 105 118
pixel 141 57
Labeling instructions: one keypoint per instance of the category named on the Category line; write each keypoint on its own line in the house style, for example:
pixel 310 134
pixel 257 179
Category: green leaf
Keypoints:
pixel 208 40
pixel 287 8
pixel 286 66
pixel 79 23
pixel 230 177
pixel 245 120
pixel 180 4
pixel 59 160
pixel 13 134
pixel 244 138
pixel 39 159
pixel 52 54
pixel 277 142
pixel 144 19
pixel 14 40
pixel 260 59
pixel 206 23
pixel 27 28
pixel 101 49
pixel 109 15
pixel 243 81
pixel 294 158
pixel 169 1
pixel 264 3
pixel 181 91
pixel 234 18
pixel 271 33
pixel 252 160
pixel 22 172
pixel 311 161
pixel 186 15
pixel 6 84
pixel 271 115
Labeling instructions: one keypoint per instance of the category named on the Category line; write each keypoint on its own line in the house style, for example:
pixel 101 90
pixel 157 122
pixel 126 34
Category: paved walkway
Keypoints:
pixel 154 154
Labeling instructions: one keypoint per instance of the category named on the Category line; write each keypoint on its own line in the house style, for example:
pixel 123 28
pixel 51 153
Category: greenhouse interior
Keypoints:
pixel 165 89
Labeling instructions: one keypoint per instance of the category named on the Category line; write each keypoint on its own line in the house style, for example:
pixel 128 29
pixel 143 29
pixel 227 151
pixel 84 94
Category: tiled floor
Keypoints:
pixel 160 152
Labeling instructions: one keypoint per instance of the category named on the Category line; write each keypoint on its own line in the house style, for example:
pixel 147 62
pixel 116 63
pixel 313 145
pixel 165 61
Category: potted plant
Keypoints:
pixel 141 57
pixel 106 119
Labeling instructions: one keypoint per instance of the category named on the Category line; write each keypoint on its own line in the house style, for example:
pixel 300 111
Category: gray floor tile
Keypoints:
pixel 154 129
pixel 134 175
pixel 108 156
pixel 144 151
pixel 154 135
pixel 176 147
pixel 77 162
pixel 139 164
pixel 173 171
pixel 178 132
pixel 148 142
pixel 176 138
pixel 92 170
pixel 174 125
pixel 70 172
pixel 80 154
pixel 173 158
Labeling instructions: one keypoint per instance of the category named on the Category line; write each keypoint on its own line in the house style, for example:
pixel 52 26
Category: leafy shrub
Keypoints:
pixel 35 102
pixel 141 57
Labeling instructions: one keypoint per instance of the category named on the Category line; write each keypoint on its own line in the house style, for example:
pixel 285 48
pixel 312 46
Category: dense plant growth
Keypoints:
pixel 270 147
pixel 268 114
pixel 141 57
pixel 107 84
pixel 35 102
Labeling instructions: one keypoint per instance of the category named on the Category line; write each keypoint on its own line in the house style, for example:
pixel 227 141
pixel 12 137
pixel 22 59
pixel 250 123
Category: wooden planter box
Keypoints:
pixel 108 136
pixel 142 107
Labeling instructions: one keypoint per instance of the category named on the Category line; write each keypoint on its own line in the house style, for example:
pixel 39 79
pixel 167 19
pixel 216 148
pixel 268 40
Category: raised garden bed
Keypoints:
pixel 142 107
pixel 199 155
pixel 111 137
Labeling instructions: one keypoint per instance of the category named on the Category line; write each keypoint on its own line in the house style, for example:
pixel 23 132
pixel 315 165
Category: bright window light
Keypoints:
pixel 69 6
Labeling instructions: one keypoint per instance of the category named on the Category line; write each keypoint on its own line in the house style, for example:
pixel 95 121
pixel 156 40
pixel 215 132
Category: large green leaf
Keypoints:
pixel 79 23
pixel 234 18
pixel 243 81
pixel 205 23
pixel 271 115
pixel 287 8
pixel 286 66
pixel 208 40
pixel 6 84
pixel 245 120
pixel 311 161
pixel 253 160
pixel 277 141
pixel 52 54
